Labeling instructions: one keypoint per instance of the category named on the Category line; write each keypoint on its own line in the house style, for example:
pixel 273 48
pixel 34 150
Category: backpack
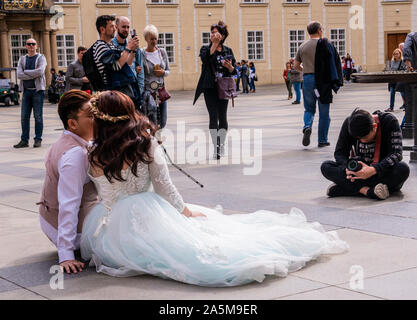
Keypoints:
pixel 92 72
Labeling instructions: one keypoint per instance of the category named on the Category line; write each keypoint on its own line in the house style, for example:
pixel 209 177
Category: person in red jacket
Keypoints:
pixel 286 76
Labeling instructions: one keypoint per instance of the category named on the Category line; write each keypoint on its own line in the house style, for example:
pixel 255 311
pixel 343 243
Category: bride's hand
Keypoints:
pixel 192 214
pixel 195 214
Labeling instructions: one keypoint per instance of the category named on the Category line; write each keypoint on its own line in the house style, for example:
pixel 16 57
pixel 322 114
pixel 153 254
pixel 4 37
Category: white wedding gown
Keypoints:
pixel 135 230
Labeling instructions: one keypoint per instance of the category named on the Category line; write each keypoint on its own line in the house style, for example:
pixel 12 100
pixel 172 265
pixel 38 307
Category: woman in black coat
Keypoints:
pixel 218 60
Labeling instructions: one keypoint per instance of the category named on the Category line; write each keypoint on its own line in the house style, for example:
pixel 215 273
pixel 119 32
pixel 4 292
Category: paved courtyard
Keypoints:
pixel 382 234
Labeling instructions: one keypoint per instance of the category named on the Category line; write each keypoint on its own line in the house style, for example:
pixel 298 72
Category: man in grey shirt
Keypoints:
pixel 306 55
pixel 75 76
pixel 31 73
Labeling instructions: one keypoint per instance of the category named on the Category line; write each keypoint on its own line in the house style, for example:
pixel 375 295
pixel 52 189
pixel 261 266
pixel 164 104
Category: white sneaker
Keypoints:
pixel 381 191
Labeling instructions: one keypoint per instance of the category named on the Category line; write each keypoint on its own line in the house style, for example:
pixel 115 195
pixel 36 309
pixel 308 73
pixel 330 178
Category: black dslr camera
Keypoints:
pixel 354 165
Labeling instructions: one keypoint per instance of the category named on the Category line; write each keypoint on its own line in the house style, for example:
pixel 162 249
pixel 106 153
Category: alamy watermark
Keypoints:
pixel 241 146
pixel 357 280
pixel 57 280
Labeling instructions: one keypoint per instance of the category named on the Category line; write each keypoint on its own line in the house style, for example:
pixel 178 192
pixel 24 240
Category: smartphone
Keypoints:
pixel 133 33
pixel 228 57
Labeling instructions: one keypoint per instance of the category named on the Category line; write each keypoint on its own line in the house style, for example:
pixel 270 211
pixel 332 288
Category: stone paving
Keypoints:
pixel 382 234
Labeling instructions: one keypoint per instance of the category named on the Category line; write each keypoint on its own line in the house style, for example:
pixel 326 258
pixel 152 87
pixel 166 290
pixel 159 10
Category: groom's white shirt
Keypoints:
pixel 72 168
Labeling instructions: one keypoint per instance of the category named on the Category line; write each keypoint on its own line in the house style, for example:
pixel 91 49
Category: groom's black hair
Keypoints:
pixel 69 104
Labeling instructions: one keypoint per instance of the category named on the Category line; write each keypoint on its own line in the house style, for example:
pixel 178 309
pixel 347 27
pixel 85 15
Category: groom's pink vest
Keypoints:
pixel 49 206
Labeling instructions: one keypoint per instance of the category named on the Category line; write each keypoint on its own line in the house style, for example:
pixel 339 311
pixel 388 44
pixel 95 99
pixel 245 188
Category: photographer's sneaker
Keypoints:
pixel 380 191
pixel 306 136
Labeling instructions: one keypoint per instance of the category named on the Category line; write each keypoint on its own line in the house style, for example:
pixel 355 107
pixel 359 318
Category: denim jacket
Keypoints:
pixel 138 62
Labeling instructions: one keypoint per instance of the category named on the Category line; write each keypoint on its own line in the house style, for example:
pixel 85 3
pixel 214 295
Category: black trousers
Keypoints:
pixel 217 110
pixel 394 179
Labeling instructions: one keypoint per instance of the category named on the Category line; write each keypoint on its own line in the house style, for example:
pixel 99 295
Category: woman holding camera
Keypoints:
pixel 218 61
pixel 156 68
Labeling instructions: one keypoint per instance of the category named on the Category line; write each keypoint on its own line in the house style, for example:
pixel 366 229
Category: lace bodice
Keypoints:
pixel 154 176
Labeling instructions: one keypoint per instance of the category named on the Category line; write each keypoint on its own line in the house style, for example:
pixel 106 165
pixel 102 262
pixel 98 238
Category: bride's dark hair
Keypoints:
pixel 121 135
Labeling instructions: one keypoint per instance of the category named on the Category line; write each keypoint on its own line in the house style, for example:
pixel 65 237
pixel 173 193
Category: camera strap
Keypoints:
pixel 377 152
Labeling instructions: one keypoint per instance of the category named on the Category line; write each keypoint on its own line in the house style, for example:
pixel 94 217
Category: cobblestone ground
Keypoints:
pixel 382 234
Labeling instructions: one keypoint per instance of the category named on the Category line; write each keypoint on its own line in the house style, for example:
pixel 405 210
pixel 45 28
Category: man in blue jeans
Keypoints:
pixel 31 73
pixel 306 55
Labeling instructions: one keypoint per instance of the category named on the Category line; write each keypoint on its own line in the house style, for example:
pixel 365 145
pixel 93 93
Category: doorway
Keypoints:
pixel 393 40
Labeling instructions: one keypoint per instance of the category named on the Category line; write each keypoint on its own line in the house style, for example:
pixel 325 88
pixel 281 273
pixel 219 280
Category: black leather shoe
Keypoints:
pixel 306 136
pixel 322 145
pixel 21 144
pixel 37 144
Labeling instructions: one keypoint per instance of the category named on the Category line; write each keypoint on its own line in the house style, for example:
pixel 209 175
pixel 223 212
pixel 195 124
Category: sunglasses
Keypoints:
pixel 31 44
pixel 217 26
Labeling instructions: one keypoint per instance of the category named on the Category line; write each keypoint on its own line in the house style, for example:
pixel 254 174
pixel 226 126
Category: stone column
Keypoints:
pixel 47 52
pixel 5 50
pixel 54 51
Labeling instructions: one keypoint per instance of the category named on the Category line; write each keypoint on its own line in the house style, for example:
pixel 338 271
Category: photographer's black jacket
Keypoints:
pixel 391 143
pixel 208 78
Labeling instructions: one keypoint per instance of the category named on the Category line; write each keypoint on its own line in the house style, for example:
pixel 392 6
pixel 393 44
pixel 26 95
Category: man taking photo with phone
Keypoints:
pixel 120 41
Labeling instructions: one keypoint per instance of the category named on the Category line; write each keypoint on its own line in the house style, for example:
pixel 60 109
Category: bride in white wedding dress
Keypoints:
pixel 143 226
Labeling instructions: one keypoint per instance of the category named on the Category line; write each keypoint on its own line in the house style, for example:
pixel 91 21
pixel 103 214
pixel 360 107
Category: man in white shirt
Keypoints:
pixel 68 194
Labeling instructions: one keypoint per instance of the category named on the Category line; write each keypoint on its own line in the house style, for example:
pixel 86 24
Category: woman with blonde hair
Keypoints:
pixel 156 69
pixel 397 64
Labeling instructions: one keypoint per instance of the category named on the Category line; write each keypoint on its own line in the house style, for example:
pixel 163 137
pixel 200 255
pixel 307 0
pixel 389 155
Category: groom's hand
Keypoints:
pixel 71 266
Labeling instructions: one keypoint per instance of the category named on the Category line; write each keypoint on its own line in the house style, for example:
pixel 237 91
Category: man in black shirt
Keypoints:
pixel 377 141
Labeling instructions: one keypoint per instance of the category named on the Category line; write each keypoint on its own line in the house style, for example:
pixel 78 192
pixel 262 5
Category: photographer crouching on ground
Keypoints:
pixel 368 157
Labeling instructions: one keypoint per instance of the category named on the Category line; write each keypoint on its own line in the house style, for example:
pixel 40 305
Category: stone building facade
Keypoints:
pixel 267 32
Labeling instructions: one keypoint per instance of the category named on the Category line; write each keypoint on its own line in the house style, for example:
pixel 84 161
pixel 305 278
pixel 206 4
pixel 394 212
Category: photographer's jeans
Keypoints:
pixel 394 178
pixel 32 99
pixel 310 100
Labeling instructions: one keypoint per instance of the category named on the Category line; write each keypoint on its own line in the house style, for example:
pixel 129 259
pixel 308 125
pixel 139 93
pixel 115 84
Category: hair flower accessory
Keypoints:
pixel 103 116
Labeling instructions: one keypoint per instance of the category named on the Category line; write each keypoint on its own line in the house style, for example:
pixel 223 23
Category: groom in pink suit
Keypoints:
pixel 68 194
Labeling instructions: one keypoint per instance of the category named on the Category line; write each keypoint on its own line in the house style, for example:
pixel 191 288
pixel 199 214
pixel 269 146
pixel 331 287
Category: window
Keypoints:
pixel 64 1
pixel 296 38
pixel 112 1
pixel 338 38
pixel 162 1
pixel 209 1
pixel 166 41
pixel 205 38
pixel 295 1
pixel 66 49
pixel 18 47
pixel 255 45
pixel 253 1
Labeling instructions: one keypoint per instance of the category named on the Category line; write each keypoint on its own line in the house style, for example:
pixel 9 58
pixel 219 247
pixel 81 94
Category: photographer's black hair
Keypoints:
pixel 102 21
pixel 222 28
pixel 360 123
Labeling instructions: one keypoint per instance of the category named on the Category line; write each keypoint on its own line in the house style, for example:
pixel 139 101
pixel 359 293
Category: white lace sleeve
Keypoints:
pixel 161 180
